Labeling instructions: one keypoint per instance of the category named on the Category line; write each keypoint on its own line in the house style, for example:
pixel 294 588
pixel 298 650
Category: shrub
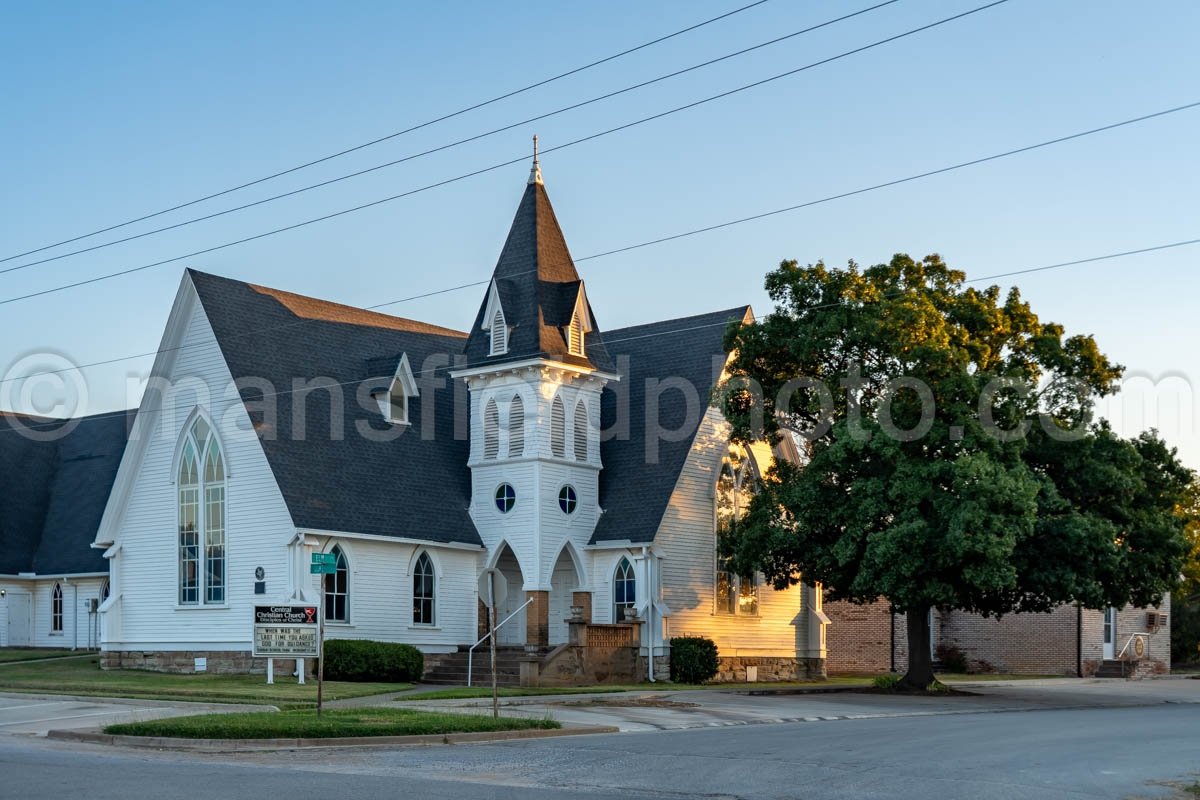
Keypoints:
pixel 364 660
pixel 693 659
pixel 953 659
pixel 886 682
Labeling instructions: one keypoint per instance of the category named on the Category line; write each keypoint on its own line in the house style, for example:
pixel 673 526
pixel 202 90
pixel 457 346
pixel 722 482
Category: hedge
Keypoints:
pixel 693 659
pixel 365 660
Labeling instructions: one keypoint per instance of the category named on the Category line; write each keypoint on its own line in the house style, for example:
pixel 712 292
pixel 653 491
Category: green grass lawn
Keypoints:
pixel 10 654
pixel 338 722
pixel 83 676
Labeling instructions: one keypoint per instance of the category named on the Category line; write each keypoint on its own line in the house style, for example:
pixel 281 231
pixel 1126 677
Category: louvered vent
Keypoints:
pixel 581 432
pixel 491 430
pixel 516 428
pixel 558 428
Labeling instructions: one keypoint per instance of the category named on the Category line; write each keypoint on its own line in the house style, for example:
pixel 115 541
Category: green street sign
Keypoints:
pixel 322 569
pixel 324 558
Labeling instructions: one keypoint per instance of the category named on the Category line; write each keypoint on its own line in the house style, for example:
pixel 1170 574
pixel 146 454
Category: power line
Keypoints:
pixel 697 231
pixel 607 341
pixel 393 135
pixel 509 162
pixel 450 145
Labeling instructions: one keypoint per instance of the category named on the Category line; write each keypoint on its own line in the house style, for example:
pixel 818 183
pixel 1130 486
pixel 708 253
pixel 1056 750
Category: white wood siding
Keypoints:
pixel 686 541
pixel 258 525
pixel 80 627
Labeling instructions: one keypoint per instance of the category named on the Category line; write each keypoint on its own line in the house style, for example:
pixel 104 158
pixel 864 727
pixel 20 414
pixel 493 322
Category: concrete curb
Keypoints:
pixel 199 705
pixel 244 745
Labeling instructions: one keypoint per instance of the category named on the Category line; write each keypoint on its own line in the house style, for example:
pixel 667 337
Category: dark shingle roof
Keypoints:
pixel 538 288
pixel 53 490
pixel 634 492
pixel 333 477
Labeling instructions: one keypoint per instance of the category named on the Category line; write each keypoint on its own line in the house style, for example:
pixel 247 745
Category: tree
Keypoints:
pixel 1185 602
pixel 951 458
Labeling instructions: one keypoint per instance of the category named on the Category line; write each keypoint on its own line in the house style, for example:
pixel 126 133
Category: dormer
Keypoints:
pixel 579 327
pixel 494 322
pixel 395 401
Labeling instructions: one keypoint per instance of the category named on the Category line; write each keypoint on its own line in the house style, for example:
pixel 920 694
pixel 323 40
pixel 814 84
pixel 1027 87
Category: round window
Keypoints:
pixel 567 500
pixel 506 497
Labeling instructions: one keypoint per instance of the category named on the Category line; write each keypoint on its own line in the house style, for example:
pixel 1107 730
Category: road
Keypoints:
pixel 1074 753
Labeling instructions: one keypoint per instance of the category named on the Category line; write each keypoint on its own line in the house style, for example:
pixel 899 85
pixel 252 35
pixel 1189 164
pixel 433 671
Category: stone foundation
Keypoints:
pixel 220 662
pixel 732 669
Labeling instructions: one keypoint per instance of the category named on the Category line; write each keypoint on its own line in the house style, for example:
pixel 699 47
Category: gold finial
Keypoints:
pixel 535 172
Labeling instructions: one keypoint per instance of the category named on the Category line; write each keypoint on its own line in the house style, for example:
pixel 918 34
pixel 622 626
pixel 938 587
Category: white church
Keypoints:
pixel 586 465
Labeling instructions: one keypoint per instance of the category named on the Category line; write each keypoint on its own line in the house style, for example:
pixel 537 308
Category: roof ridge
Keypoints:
pixel 347 312
pixel 735 311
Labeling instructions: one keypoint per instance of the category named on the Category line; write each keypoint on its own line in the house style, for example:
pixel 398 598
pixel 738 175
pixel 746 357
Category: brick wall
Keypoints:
pixel 859 637
pixel 1029 644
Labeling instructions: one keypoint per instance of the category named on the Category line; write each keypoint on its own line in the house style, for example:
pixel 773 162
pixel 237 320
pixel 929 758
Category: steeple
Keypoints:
pixel 537 293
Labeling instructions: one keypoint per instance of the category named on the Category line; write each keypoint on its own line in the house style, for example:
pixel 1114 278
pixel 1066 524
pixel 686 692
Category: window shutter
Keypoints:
pixel 491 430
pixel 516 427
pixel 499 334
pixel 581 432
pixel 558 425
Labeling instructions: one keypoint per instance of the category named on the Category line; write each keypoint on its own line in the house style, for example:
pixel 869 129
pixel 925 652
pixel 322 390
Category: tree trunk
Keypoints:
pixel 920 662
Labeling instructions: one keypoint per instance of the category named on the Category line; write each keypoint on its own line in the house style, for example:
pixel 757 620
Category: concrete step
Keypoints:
pixel 1111 668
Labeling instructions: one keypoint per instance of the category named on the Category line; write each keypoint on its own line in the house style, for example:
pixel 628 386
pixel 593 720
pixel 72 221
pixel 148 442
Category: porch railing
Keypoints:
pixel 1145 643
pixel 499 625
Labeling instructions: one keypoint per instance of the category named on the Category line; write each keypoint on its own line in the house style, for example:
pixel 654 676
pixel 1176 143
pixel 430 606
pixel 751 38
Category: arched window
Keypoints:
pixel 201 484
pixel 105 590
pixel 581 431
pixel 516 427
pixel 491 429
pixel 558 428
pixel 56 609
pixel 337 589
pixel 499 333
pixel 575 336
pixel 624 590
pixel 735 594
pixel 423 591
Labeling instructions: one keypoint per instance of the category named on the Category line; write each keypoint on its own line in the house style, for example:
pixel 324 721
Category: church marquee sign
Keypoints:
pixel 286 631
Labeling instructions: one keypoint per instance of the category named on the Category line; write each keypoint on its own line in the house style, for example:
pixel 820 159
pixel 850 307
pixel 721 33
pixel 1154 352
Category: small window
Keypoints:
pixel 56 609
pixel 567 500
pixel 397 404
pixel 423 591
pixel 499 331
pixel 337 589
pixel 491 429
pixel 105 590
pixel 516 427
pixel 558 428
pixel 624 590
pixel 506 497
pixel 575 336
pixel 581 432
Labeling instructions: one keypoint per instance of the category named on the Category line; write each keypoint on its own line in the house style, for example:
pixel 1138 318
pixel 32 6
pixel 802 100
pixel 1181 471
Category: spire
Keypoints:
pixel 536 286
pixel 535 172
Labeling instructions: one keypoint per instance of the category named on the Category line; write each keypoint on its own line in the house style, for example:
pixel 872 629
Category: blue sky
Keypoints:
pixel 115 110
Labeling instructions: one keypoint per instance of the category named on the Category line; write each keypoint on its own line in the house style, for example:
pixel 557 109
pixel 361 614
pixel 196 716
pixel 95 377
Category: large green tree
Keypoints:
pixel 951 460
pixel 1185 602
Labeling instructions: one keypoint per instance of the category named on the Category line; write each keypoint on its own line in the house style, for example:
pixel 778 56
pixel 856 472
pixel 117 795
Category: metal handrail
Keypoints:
pixel 1129 641
pixel 499 625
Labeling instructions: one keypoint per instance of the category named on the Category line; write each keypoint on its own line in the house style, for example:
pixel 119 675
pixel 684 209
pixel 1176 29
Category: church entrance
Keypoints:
pixel 513 632
pixel 564 581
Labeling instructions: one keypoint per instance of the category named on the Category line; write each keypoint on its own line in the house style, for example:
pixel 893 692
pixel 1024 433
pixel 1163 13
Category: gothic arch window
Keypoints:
pixel 575 336
pixel 581 431
pixel 624 590
pixel 337 588
pixel 491 429
pixel 736 485
pixel 516 427
pixel 105 590
pixel 423 591
pixel 558 428
pixel 499 334
pixel 201 507
pixel 56 609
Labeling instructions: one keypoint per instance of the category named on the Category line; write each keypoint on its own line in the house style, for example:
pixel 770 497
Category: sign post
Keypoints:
pixel 322 564
pixel 492 598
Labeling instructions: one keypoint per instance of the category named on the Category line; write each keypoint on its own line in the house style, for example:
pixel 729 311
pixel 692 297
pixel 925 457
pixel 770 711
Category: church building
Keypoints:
pixel 586 466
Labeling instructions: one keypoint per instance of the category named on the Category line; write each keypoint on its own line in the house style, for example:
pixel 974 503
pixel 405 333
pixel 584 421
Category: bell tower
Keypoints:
pixel 535 368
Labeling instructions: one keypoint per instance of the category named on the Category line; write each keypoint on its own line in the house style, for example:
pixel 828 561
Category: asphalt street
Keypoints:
pixel 1116 752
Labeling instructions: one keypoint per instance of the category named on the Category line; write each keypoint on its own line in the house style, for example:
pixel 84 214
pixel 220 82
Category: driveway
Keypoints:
pixel 26 714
